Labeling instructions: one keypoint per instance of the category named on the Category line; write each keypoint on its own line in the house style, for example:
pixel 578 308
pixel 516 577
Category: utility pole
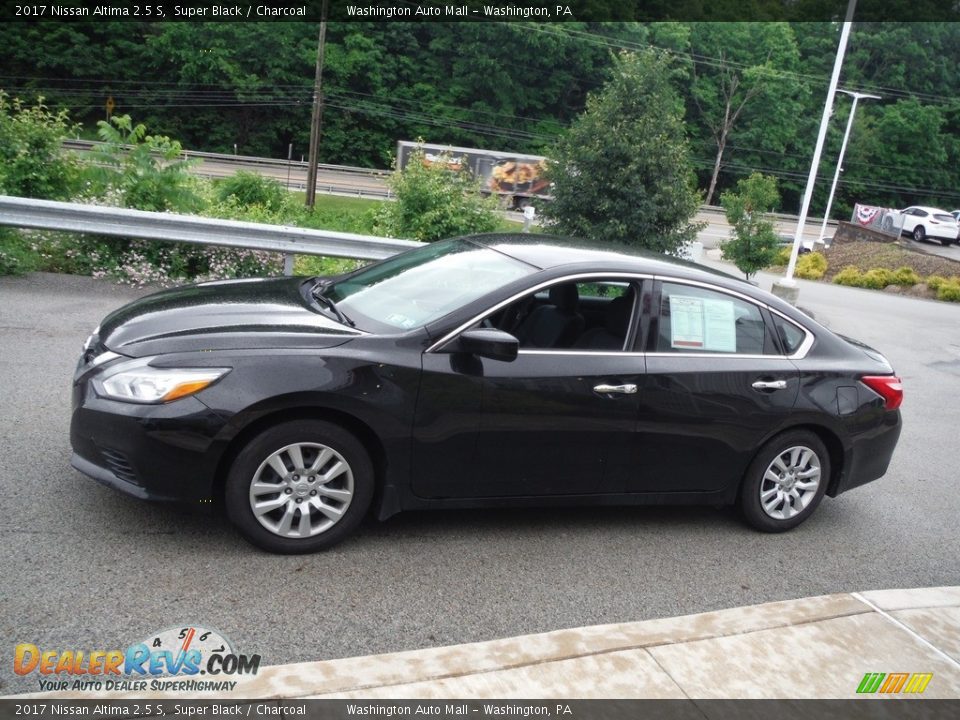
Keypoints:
pixel 843 148
pixel 316 121
pixel 787 286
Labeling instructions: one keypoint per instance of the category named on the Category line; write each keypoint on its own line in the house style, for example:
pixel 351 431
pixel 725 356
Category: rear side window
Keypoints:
pixel 694 319
pixel 791 337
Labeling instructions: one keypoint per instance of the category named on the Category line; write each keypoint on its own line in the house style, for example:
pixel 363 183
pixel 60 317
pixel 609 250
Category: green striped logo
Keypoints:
pixel 892 683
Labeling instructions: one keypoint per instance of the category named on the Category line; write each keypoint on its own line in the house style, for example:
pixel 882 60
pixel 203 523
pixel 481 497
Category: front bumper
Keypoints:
pixel 153 452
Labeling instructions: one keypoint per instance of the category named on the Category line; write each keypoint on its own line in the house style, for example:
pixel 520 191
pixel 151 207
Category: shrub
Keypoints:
pixel 905 276
pixel 140 171
pixel 250 188
pixel 949 291
pixel 811 266
pixel 850 275
pixel 16 255
pixel 434 202
pixel 783 258
pixel 877 279
pixel 30 151
pixel 935 281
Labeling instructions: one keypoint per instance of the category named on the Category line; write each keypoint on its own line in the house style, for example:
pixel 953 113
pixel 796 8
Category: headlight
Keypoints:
pixel 137 382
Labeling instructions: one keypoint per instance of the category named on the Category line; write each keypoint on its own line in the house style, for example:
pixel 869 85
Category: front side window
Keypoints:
pixel 592 315
pixel 698 320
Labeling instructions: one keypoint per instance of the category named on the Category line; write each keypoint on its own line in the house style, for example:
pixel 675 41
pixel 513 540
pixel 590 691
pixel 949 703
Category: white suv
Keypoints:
pixel 927 222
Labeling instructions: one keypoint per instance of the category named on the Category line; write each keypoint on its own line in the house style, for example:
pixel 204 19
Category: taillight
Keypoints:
pixel 889 387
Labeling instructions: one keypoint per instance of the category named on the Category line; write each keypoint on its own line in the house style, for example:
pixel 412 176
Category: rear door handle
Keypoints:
pixel 628 389
pixel 770 385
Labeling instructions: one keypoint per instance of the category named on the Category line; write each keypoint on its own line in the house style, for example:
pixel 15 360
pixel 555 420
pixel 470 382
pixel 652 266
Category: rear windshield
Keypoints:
pixel 948 218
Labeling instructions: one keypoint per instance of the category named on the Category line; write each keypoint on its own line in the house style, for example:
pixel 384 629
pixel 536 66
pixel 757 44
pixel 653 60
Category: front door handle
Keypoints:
pixel 770 385
pixel 628 389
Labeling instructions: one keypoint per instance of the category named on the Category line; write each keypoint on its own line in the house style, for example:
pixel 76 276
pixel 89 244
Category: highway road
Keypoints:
pixel 88 568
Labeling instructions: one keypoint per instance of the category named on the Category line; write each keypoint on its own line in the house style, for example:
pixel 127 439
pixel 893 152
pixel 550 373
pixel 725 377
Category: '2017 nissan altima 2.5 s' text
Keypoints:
pixel 482 371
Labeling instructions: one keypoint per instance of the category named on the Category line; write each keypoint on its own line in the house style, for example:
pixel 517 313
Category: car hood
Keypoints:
pixel 224 315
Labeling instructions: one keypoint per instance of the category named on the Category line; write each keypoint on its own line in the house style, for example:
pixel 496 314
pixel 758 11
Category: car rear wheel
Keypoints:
pixel 918 233
pixel 785 482
pixel 299 487
pixel 945 242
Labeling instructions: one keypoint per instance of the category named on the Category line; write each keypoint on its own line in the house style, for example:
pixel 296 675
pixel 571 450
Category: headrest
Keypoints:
pixel 618 314
pixel 565 297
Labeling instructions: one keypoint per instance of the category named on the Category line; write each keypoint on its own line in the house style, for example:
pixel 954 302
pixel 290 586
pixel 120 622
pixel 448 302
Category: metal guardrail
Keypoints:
pixel 89 145
pixel 73 217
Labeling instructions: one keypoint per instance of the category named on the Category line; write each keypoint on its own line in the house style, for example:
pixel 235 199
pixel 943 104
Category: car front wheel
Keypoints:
pixel 918 233
pixel 785 482
pixel 299 487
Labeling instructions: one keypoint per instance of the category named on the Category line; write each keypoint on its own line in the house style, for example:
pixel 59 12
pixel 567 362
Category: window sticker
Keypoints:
pixel 720 325
pixel 686 322
pixel 702 324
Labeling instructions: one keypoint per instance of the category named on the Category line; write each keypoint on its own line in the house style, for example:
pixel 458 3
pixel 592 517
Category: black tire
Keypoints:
pixel 310 436
pixel 919 233
pixel 754 483
pixel 945 242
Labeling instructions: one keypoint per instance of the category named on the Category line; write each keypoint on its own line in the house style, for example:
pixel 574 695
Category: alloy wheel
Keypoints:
pixel 301 490
pixel 790 482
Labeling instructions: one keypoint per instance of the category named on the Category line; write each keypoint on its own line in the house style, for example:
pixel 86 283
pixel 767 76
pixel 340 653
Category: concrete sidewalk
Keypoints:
pixel 818 647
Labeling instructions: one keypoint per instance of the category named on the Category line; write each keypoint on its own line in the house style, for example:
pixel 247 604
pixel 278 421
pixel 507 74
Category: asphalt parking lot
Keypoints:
pixel 88 568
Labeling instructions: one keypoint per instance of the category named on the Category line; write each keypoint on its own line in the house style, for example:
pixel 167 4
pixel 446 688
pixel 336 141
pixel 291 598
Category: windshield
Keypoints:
pixel 418 287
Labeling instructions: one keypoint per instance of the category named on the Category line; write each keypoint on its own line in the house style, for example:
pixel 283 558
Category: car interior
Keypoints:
pixel 596 315
pixel 588 315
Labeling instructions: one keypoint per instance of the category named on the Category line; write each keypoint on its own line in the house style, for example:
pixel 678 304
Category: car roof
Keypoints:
pixel 553 251
pixel 556 253
pixel 929 209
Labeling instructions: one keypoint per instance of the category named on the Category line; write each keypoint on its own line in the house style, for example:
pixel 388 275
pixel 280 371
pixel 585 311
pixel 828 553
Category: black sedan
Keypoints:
pixel 477 372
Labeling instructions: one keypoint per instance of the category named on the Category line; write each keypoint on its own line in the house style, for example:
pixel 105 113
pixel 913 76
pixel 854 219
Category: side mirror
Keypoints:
pixel 493 344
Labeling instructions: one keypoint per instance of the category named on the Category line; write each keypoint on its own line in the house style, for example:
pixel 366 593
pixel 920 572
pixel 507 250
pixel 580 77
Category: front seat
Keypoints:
pixel 614 331
pixel 554 325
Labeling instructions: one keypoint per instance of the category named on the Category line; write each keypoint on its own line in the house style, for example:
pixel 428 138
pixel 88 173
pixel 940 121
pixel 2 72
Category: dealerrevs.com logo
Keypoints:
pixel 179 659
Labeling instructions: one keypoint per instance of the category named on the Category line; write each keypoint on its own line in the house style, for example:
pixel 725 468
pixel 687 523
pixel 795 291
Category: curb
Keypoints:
pixel 818 647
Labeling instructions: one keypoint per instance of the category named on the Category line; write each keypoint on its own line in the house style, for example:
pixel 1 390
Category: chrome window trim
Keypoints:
pixel 589 353
pixel 801 352
pixel 728 356
pixel 536 288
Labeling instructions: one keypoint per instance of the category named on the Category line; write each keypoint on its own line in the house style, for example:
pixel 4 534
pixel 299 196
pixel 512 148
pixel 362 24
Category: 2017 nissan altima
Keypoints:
pixel 481 371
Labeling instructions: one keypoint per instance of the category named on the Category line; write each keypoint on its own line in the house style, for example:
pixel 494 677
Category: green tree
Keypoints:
pixel 147 172
pixel 621 173
pixel 435 202
pixel 754 243
pixel 33 164
pixel 744 89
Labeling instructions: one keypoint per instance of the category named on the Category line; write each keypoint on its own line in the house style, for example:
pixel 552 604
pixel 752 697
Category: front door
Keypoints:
pixel 549 421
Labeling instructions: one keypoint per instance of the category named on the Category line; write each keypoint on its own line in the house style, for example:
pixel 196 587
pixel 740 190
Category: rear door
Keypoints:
pixel 716 384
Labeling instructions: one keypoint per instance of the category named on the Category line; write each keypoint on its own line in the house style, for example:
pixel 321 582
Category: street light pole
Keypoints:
pixel 843 148
pixel 787 287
